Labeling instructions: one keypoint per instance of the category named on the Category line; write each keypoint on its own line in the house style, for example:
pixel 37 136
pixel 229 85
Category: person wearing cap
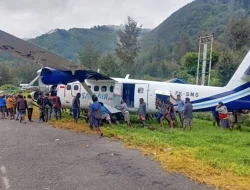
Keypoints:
pixel 188 114
pixel 223 115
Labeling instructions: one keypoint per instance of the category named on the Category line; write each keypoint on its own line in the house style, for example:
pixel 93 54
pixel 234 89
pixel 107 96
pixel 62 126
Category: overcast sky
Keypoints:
pixel 31 18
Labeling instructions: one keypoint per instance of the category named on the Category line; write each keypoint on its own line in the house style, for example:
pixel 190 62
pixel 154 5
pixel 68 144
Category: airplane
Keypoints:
pixel 70 79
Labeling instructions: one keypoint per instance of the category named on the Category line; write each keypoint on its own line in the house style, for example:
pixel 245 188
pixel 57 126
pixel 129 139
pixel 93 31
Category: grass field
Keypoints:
pixel 206 154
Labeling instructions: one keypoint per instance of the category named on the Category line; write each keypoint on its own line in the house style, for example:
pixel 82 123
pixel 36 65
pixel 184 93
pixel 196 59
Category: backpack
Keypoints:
pixel 98 113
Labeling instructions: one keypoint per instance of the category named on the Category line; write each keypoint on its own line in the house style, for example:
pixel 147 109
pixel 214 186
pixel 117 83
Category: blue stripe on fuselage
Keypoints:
pixel 223 100
pixel 240 104
pixel 240 88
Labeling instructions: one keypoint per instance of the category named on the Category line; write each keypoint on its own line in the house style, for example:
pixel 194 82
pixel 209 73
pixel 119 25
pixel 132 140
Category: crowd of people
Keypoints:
pixel 98 113
pixel 225 119
pixel 17 106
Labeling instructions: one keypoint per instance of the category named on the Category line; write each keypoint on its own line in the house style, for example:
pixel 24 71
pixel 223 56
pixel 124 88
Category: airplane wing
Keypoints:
pixel 31 53
pixel 50 76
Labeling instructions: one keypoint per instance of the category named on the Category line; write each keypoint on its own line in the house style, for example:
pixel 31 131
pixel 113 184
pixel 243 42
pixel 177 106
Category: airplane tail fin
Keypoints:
pixel 242 74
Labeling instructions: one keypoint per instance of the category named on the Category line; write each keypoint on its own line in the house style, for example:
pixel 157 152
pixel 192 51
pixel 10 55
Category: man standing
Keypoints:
pixel 223 115
pixel 10 106
pixel 57 106
pixel 158 106
pixel 2 105
pixel 22 106
pixel 180 106
pixel 216 119
pixel 76 107
pixel 188 114
pixel 142 111
pixel 96 114
pixel 166 112
pixel 235 118
pixel 40 102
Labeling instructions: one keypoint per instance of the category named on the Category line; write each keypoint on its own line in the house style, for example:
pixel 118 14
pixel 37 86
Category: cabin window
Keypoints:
pixel 111 89
pixel 68 87
pixel 140 90
pixel 96 88
pixel 104 89
pixel 76 87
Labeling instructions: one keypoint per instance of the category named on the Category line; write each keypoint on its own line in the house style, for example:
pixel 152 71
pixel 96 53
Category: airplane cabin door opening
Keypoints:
pixel 129 94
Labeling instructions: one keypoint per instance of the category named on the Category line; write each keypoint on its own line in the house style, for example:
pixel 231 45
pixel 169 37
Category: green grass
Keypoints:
pixel 207 154
pixel 222 149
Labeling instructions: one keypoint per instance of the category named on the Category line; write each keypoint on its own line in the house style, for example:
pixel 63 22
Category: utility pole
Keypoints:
pixel 205 42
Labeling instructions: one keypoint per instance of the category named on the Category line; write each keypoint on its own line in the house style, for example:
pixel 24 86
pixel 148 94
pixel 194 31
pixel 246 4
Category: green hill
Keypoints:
pixel 69 42
pixel 184 26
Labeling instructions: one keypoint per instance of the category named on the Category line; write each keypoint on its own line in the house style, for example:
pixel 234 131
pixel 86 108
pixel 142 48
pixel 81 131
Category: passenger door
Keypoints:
pixel 141 91
pixel 67 101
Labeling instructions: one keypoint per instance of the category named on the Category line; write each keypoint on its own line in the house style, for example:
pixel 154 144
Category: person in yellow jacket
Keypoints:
pixel 10 106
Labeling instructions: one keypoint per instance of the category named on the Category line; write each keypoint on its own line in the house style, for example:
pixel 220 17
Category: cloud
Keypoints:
pixel 30 18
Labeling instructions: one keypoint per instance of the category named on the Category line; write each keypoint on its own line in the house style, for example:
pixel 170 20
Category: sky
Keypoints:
pixel 31 18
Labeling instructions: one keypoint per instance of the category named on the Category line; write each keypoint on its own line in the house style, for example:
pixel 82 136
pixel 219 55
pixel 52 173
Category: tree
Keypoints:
pixel 89 57
pixel 189 62
pixel 190 59
pixel 109 66
pixel 240 32
pixel 128 47
pixel 5 74
pixel 226 68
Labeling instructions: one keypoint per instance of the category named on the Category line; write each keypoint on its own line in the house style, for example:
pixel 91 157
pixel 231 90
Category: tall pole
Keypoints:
pixel 203 77
pixel 198 67
pixel 210 62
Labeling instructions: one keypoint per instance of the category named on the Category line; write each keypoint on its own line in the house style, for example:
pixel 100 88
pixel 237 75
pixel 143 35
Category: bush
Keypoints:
pixel 8 87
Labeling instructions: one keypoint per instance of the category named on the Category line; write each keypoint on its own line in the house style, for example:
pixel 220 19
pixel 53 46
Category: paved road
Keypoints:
pixel 32 158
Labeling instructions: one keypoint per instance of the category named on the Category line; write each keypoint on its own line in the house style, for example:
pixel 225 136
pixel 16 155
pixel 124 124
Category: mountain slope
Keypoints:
pixel 200 16
pixel 69 42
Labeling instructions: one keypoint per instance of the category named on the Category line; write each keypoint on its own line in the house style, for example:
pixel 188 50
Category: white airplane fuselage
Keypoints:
pixel 204 98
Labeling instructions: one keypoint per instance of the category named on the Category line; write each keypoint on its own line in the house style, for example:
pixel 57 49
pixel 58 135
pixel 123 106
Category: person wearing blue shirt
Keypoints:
pixel 2 106
pixel 180 106
pixel 105 114
pixel 96 114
